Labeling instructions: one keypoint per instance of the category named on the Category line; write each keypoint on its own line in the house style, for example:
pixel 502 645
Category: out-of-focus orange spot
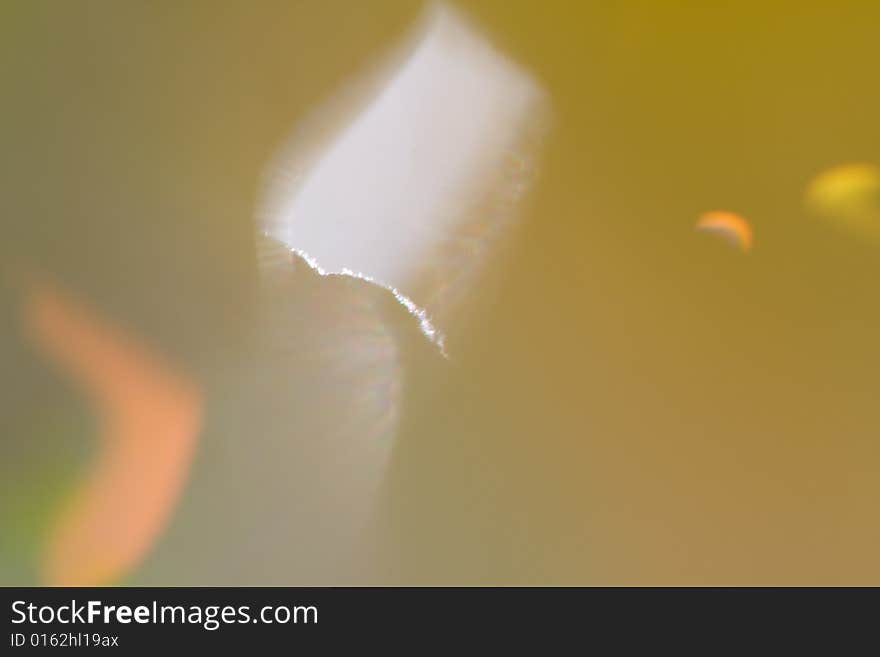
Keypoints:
pixel 728 225
pixel 149 416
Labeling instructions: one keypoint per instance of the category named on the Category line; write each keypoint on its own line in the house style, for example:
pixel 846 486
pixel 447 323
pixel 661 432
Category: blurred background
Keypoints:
pixel 634 402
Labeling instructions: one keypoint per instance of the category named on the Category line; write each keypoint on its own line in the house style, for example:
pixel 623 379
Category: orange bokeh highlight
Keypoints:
pixel 149 415
pixel 729 225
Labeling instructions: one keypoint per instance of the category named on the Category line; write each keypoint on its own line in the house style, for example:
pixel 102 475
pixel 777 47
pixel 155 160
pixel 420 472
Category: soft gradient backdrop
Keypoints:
pixel 657 407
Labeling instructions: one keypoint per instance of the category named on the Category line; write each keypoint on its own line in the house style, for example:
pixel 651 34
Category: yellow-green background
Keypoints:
pixel 669 410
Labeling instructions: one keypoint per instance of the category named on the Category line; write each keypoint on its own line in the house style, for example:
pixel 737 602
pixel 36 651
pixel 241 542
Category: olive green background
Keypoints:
pixel 674 411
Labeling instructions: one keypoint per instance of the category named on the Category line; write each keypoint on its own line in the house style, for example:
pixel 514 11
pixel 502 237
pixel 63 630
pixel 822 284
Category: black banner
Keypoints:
pixel 134 619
